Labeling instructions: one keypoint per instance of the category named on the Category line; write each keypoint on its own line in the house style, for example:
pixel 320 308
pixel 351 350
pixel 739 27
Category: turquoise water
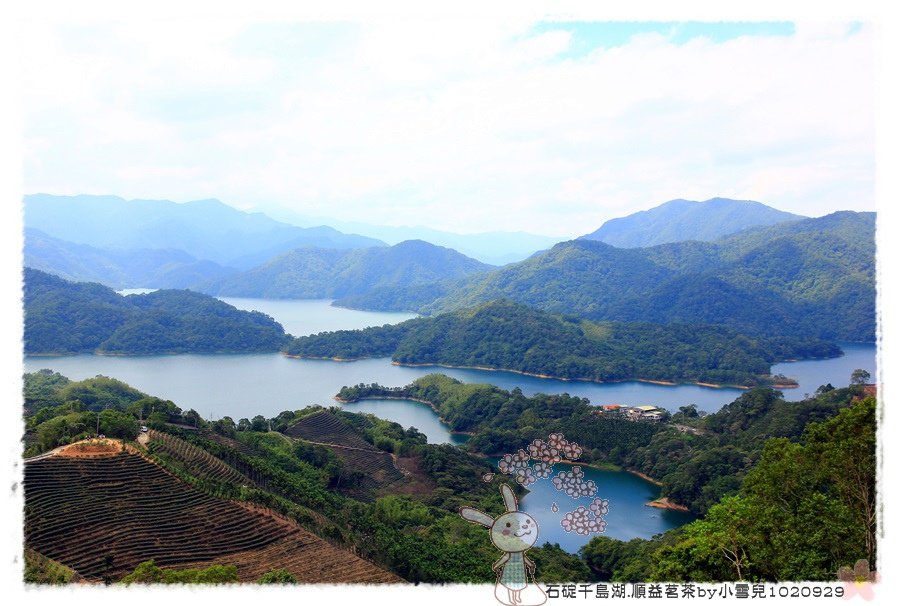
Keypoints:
pixel 629 516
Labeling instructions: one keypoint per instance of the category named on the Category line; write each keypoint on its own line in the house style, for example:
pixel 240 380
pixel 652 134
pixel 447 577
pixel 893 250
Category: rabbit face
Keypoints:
pixel 514 531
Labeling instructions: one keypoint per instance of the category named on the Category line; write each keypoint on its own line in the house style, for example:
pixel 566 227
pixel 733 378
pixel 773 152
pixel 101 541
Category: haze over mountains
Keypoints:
pixel 493 247
pixel 205 229
pixel 680 220
pixel 799 276
pixel 127 268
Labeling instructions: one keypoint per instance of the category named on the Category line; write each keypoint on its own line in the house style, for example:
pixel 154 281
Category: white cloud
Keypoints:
pixel 472 126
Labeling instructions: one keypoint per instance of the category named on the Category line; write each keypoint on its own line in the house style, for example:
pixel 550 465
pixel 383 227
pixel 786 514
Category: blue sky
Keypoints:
pixel 464 125
pixel 588 36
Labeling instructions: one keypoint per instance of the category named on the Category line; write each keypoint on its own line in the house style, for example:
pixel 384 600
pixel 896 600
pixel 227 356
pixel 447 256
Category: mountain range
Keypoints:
pixel 128 268
pixel 204 229
pixel 799 276
pixel 494 247
pixel 309 273
pixel 680 220
pixel 812 277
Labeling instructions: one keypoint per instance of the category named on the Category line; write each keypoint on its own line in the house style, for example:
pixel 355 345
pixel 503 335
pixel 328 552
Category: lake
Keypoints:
pixel 628 517
pixel 244 385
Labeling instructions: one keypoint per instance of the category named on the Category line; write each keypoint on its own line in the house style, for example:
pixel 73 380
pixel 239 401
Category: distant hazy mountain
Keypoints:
pixel 140 268
pixel 811 277
pixel 680 220
pixel 205 229
pixel 318 273
pixel 496 247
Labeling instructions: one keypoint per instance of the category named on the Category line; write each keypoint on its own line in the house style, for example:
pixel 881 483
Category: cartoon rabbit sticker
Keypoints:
pixel 513 533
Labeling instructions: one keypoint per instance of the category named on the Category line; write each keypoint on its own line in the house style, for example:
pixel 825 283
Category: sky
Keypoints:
pixel 529 124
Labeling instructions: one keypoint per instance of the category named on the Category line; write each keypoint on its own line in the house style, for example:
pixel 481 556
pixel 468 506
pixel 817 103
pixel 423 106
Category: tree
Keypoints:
pixel 860 377
pixel 157 419
pixel 192 417
pixel 225 426
pixel 278 576
pixel 728 531
pixel 689 411
pixel 115 424
pixel 259 423
pixel 824 389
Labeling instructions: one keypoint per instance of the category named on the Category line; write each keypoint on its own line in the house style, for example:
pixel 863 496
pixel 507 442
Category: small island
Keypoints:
pixel 502 335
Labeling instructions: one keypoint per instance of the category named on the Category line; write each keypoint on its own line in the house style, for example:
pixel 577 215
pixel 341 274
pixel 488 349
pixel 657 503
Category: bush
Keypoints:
pixel 279 576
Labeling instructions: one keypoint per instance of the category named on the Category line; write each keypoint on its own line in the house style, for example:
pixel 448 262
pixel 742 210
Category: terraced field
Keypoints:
pixel 196 461
pixel 326 429
pixel 103 515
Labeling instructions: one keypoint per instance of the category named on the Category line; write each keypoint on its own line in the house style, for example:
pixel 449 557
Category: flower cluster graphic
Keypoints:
pixel 544 454
pixel 573 483
pixel 858 580
pixel 536 461
pixel 587 520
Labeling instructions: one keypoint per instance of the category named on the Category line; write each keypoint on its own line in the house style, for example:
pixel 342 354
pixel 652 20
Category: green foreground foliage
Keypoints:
pixel 149 572
pixel 42 570
pixel 806 509
pixel 787 488
pixel 697 466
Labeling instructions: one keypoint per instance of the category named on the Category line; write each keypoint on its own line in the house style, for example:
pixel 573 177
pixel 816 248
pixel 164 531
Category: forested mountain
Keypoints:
pixel 510 336
pixel 329 273
pixel 681 220
pixel 68 317
pixel 131 268
pixel 813 277
pixel 205 229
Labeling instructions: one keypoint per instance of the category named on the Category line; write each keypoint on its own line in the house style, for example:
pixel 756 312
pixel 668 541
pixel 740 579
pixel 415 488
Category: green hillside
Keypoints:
pixel 814 277
pixel 507 335
pixel 308 273
pixel 74 317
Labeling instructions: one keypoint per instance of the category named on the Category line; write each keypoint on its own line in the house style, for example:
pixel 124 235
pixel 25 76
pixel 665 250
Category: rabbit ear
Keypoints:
pixel 509 498
pixel 479 517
